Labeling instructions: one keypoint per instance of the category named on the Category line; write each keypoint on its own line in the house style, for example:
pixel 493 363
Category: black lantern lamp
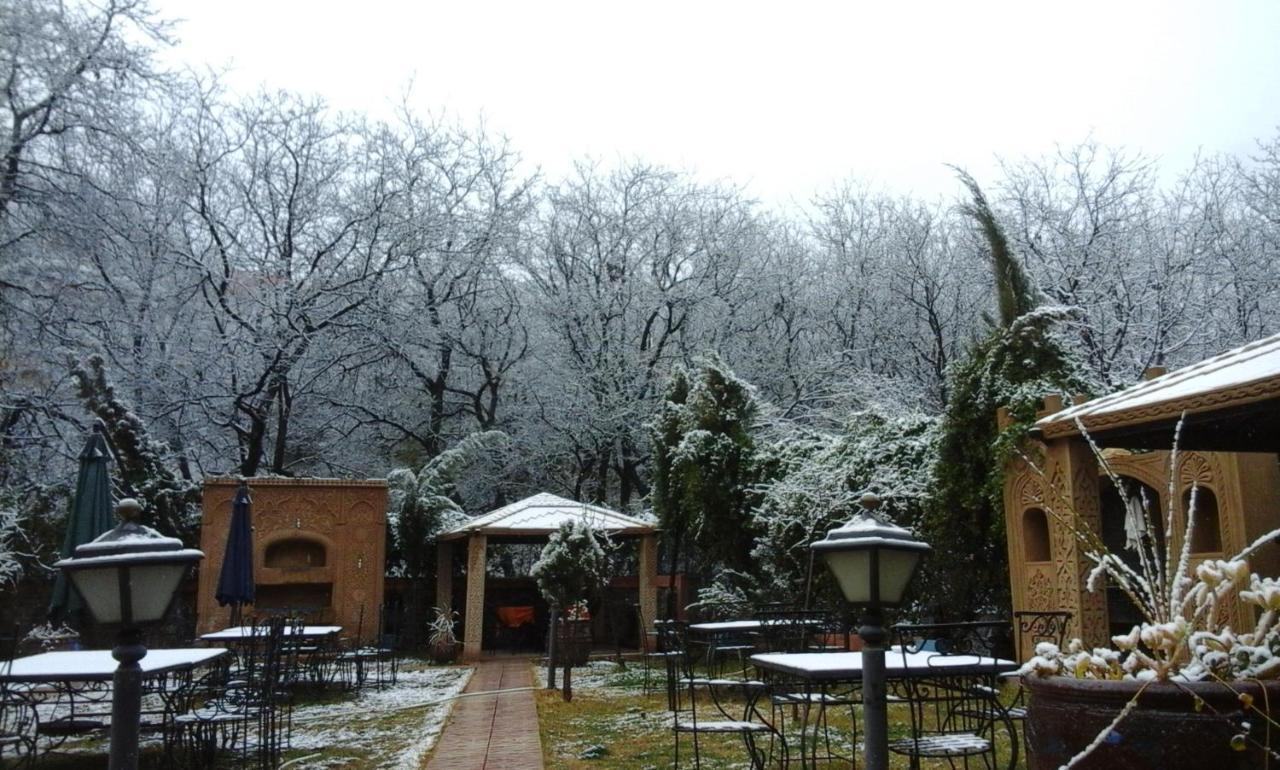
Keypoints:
pixel 128 576
pixel 873 561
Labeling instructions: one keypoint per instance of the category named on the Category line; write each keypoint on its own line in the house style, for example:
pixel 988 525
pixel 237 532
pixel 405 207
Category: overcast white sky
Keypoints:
pixel 784 97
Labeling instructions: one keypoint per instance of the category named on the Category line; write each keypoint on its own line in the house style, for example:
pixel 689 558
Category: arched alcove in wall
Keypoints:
pixel 1123 615
pixel 1035 536
pixel 1207 535
pixel 295 553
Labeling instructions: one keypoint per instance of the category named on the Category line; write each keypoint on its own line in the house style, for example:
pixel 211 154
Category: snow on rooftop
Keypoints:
pixel 544 513
pixel 1253 363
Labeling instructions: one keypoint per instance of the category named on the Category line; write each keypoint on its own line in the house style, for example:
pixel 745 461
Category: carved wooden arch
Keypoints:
pixel 1205 471
pixel 1150 469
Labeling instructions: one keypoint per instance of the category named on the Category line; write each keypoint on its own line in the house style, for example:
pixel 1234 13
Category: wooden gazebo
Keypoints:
pixel 1227 448
pixel 531 520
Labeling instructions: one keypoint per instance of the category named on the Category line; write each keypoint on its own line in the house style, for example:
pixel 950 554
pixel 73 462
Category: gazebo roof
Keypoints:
pixel 1232 403
pixel 543 514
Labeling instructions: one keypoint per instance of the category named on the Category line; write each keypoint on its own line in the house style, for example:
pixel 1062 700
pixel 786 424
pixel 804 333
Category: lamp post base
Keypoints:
pixel 126 700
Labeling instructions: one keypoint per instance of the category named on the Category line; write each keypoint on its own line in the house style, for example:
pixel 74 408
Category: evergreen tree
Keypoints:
pixel 704 465
pixel 574 566
pixel 665 493
pixel 1015 366
pixel 169 501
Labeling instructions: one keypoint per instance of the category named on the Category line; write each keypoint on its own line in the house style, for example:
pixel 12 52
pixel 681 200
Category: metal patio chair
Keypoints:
pixel 790 630
pixel 703 706
pixel 956 714
pixel 19 721
pixel 653 653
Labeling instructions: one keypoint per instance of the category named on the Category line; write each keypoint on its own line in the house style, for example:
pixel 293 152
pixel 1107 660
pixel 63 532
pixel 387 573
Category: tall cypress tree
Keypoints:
pixel 666 493
pixel 1014 366
pixel 704 465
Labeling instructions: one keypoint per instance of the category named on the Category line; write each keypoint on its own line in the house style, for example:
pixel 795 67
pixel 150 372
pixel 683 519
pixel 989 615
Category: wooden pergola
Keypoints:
pixel 534 519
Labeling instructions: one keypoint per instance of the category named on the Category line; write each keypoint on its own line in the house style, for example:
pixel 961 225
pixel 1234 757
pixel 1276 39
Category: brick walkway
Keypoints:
pixel 492 732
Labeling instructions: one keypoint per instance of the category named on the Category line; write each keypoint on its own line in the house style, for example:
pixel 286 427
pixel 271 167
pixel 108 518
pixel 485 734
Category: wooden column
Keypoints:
pixel 472 633
pixel 1073 489
pixel 444 573
pixel 647 564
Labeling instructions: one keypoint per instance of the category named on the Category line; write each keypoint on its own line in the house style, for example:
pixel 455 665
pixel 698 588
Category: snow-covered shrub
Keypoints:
pixel 573 564
pixel 48 636
pixel 815 480
pixel 421 505
pixel 731 595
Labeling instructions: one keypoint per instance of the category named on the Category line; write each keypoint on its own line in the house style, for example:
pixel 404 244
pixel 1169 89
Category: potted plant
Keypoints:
pixel 441 637
pixel 1181 689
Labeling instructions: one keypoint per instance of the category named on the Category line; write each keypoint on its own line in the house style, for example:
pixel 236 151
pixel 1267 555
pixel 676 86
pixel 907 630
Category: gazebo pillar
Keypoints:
pixel 648 589
pixel 474 625
pixel 444 573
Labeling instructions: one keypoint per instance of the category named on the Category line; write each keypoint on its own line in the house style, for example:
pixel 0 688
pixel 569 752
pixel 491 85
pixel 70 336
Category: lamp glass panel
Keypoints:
pixel 153 587
pixel 896 569
pixel 852 570
pixel 100 589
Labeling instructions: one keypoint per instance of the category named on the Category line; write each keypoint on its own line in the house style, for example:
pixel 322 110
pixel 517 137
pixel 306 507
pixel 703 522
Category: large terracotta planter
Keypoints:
pixel 1165 732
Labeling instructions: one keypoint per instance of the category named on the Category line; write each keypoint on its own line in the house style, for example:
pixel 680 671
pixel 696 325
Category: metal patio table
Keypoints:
pixel 312 650
pixel 729 636
pixel 245 634
pixel 71 689
pixel 817 674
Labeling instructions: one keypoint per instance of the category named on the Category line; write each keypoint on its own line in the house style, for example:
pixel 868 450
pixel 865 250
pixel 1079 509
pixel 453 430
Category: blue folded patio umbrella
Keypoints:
pixel 89 517
pixel 235 582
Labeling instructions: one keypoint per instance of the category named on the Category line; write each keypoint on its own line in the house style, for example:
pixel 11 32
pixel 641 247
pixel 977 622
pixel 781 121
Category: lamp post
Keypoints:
pixel 128 576
pixel 873 561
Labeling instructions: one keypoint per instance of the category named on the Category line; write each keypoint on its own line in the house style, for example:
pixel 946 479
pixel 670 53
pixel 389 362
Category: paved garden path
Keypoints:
pixel 492 730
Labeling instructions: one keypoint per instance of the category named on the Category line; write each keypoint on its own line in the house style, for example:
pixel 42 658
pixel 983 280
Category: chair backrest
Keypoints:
pixel 673 636
pixel 956 698
pixel 979 639
pixel 790 629
pixel 388 632
pixel 1032 628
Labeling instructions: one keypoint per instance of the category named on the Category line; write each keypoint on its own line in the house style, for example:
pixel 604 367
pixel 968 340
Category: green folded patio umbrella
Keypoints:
pixel 90 516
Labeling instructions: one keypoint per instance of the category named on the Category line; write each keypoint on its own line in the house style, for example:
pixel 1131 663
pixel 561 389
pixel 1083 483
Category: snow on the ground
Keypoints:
pixel 396 726
pixel 602 675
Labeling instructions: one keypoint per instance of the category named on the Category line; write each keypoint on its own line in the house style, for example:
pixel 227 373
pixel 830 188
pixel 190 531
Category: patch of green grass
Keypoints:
pixel 618 728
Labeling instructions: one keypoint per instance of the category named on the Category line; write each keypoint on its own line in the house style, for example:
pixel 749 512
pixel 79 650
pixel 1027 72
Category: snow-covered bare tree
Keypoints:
pixel 287 231
pixel 73 72
pixel 448 333
pixel 626 261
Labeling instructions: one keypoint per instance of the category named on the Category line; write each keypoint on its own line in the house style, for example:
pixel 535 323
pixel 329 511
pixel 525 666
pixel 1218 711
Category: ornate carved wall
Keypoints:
pixel 326 539
pixel 1245 488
